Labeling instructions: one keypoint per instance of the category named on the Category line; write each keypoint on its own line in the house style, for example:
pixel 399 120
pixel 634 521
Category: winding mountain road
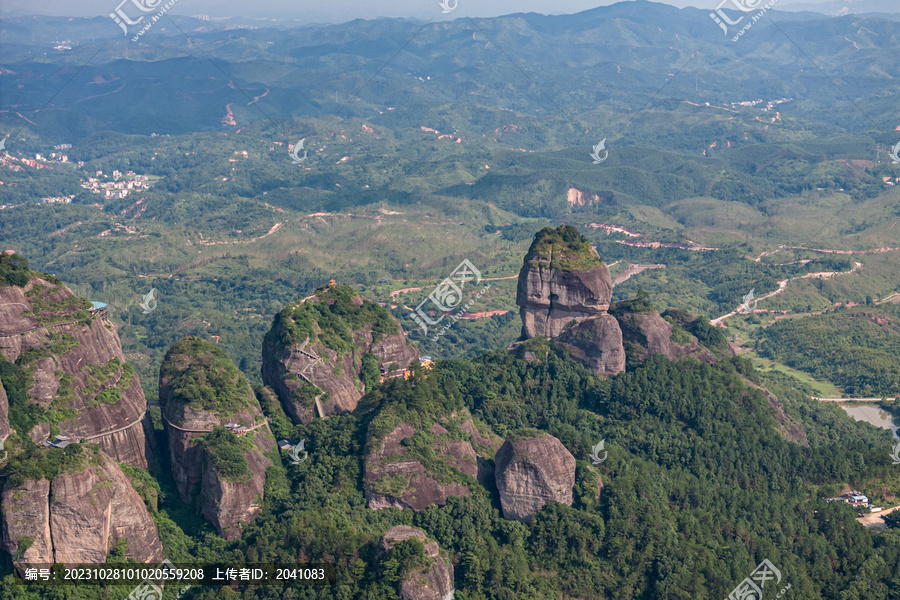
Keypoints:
pixel 781 286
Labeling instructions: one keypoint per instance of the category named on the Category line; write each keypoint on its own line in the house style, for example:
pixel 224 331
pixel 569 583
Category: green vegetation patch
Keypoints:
pixel 36 462
pixel 331 318
pixel 13 270
pixel 405 557
pixel 226 454
pixel 526 433
pixel 857 349
pixel 711 337
pixel 392 485
pixel 23 416
pixel 57 344
pixel 104 384
pixel 564 248
pixel 48 310
pixel 420 404
pixel 201 374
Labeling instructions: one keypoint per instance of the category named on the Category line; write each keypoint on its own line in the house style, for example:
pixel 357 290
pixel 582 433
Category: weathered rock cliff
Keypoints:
pixel 415 465
pixel 432 582
pixel 649 334
pixel 200 393
pixel 78 516
pixel 74 369
pixel 533 468
pixel 596 343
pixel 562 280
pixel 564 293
pixel 321 351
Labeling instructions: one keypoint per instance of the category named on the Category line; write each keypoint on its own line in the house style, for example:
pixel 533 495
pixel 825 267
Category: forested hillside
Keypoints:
pixel 544 307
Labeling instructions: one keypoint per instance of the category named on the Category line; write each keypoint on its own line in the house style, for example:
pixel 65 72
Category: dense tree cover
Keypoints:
pixel 331 318
pixel 857 349
pixel 699 487
pixel 200 373
pixel 562 248
pixel 30 461
pixel 13 270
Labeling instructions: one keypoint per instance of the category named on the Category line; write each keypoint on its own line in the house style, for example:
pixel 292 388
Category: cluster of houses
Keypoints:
pixel 856 498
pixel 58 199
pixel 116 189
pixel 53 156
pixel 768 105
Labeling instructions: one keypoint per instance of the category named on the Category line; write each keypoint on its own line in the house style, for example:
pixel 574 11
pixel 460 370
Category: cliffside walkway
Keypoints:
pixel 166 419
pixel 48 326
pixel 112 431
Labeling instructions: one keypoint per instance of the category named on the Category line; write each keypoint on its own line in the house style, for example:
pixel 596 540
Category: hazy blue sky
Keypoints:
pixel 333 10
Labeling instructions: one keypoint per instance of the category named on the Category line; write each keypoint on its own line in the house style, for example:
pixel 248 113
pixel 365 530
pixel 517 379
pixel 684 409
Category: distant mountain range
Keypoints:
pixel 846 7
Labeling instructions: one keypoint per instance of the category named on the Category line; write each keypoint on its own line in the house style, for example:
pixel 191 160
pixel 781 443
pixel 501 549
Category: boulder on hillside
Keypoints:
pixel 533 468
pixel 324 350
pixel 595 343
pixel 432 582
pixel 562 280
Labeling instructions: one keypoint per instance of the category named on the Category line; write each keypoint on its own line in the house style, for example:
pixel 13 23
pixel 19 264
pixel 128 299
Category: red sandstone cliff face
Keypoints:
pixel 596 343
pixel 564 292
pixel 78 518
pixel 292 366
pixel 230 506
pixel 4 414
pixel 64 360
pixel 551 298
pixel 531 472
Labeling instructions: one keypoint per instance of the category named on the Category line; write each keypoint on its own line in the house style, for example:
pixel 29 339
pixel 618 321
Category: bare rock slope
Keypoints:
pixel 75 370
pixel 533 468
pixel 596 343
pixel 562 280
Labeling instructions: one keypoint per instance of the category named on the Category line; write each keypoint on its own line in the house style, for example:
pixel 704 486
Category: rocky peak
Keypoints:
pixel 533 468
pixel 73 510
pixel 562 280
pixel 434 581
pixel 324 351
pixel 62 357
pixel 217 433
